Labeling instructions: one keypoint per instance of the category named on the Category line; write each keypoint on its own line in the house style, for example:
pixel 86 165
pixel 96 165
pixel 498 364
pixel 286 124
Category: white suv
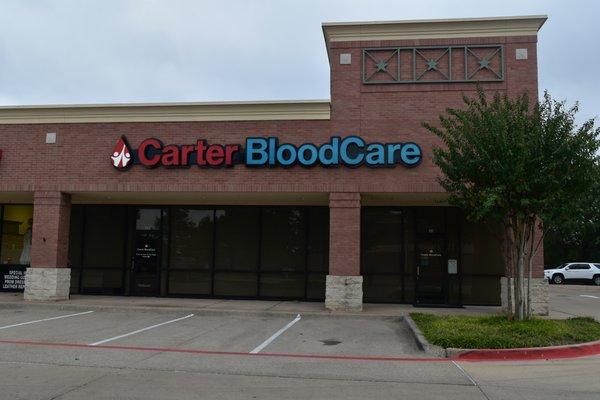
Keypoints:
pixel 574 271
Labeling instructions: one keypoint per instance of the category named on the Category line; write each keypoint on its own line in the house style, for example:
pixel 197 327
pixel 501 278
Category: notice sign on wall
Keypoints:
pixel 12 278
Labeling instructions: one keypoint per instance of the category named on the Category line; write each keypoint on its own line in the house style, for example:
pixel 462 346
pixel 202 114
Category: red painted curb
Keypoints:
pixel 523 354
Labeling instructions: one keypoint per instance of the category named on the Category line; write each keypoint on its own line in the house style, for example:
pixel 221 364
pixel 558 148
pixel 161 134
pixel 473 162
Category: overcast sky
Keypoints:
pixel 156 51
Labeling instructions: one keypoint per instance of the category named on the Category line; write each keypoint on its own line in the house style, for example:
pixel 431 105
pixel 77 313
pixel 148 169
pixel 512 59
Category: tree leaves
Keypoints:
pixel 504 156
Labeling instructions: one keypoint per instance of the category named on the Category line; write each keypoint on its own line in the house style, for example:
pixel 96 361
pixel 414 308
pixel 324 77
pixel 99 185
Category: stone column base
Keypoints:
pixel 47 284
pixel 343 293
pixel 539 295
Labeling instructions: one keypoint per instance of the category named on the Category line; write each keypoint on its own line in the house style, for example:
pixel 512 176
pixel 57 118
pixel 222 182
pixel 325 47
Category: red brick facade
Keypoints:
pixel 78 163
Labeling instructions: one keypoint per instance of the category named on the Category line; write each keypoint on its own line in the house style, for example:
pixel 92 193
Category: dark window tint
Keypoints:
pixel 382 241
pixel 105 237
pixel 290 285
pixel 189 282
pixel 237 239
pixel 148 219
pixel 318 239
pixel 236 284
pixel 191 238
pixel 579 266
pixel 430 220
pixel 283 244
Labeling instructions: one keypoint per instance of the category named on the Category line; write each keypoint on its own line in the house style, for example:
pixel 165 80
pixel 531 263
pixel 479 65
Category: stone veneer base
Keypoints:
pixel 539 295
pixel 344 293
pixel 42 284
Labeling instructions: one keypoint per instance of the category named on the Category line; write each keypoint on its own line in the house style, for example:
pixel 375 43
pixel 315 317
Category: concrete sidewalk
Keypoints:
pixel 235 306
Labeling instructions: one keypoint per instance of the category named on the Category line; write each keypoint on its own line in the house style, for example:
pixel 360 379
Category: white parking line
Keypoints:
pixel 590 296
pixel 139 330
pixel 275 335
pixel 45 319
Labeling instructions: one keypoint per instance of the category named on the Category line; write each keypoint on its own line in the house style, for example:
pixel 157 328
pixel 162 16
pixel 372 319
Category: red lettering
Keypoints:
pixel 230 150
pixel 186 149
pixel 214 155
pixel 170 156
pixel 200 149
pixel 150 144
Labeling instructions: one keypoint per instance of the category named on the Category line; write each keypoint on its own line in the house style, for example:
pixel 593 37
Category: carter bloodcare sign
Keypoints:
pixel 350 151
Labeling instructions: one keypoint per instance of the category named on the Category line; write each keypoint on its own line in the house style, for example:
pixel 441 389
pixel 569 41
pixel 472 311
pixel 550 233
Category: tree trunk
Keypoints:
pixel 508 254
pixel 531 254
pixel 520 275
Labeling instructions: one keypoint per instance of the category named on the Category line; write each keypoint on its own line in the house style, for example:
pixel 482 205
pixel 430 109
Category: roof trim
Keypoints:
pixel 167 112
pixel 432 28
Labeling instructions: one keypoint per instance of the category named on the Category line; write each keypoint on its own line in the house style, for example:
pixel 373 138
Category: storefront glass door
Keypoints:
pixel 145 263
pixel 431 277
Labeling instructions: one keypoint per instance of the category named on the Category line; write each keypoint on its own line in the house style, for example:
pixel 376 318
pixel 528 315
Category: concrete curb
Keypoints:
pixel 523 354
pixel 420 339
pixel 61 305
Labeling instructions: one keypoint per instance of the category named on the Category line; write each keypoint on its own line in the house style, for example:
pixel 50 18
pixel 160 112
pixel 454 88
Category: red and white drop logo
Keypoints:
pixel 121 155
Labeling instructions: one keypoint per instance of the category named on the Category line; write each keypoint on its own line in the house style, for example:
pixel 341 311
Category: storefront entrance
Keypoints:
pixel 145 262
pixel 431 276
pixel 250 252
pixel 428 256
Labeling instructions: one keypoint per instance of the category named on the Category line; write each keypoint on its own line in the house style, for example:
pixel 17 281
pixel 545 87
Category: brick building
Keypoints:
pixel 333 200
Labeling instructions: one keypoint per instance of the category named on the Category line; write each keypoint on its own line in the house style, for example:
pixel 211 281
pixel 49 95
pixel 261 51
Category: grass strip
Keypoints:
pixel 497 332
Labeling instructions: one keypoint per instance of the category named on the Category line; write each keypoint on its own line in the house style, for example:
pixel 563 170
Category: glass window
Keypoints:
pixel 148 219
pixel 189 282
pixel 315 287
pixel 383 288
pixel 430 220
pixel 481 290
pixel 283 239
pixel 481 250
pixel 76 236
pixel 105 237
pixel 282 285
pixel 579 266
pixel 191 239
pixel 382 240
pixel 75 246
pixel 236 284
pixel 237 239
pixel 318 239
pixel 17 225
pixel 102 281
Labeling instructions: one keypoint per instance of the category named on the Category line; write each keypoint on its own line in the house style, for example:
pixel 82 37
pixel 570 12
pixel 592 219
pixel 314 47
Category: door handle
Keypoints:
pixel 132 264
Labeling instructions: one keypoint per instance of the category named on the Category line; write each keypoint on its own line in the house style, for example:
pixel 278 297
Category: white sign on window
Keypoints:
pixel 452 266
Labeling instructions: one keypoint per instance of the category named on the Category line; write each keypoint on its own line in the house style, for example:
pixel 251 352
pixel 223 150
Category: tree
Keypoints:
pixel 524 166
pixel 578 239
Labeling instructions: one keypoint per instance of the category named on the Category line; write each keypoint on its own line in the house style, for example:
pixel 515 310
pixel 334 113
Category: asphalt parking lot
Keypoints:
pixel 574 300
pixel 54 352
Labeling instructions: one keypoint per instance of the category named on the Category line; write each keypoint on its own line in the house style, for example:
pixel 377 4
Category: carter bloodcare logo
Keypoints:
pixel 350 151
pixel 121 155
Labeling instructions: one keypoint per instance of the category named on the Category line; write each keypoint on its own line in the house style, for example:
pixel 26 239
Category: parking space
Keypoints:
pixel 572 300
pixel 218 332
pixel 48 352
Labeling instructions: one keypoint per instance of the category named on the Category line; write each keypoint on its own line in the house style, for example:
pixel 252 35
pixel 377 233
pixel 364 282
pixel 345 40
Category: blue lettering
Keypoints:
pixel 375 154
pixel 332 148
pixel 291 150
pixel 312 151
pixel 256 153
pixel 346 157
pixel 410 154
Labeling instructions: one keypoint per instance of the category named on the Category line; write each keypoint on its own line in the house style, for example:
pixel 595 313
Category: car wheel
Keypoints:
pixel 597 280
pixel 558 279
